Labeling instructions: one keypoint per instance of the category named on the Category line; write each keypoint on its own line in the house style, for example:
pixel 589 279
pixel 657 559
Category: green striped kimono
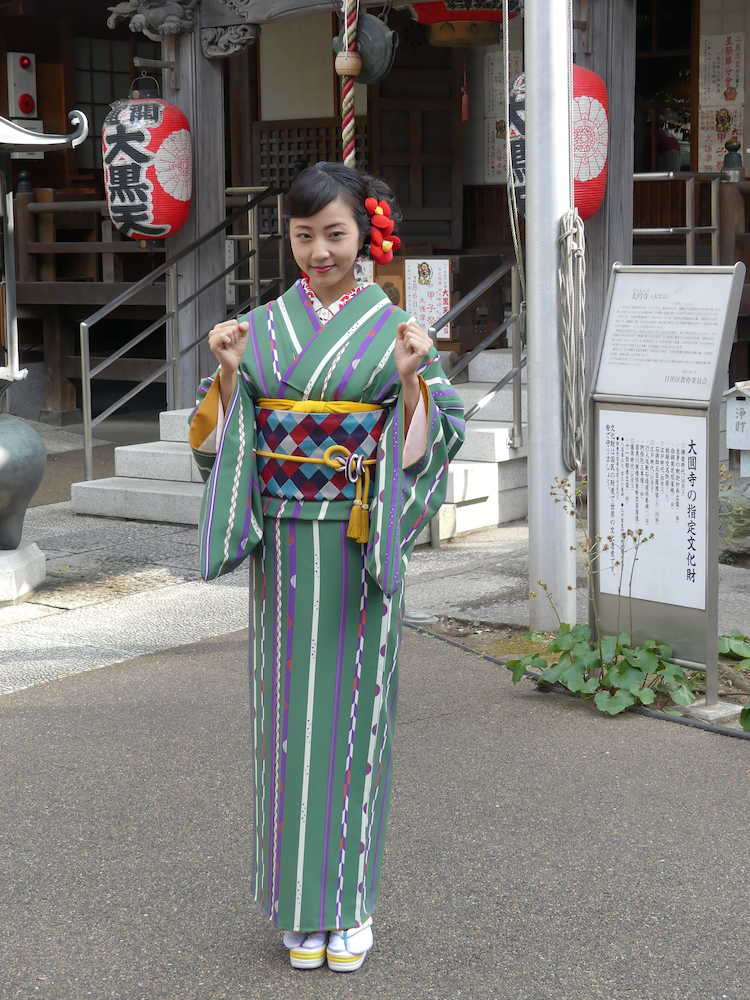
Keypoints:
pixel 325 610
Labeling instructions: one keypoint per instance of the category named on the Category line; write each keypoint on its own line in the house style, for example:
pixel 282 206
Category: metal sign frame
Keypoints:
pixel 692 633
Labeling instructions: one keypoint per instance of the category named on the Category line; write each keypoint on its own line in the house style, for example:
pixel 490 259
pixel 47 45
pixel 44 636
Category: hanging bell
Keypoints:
pixel 376 45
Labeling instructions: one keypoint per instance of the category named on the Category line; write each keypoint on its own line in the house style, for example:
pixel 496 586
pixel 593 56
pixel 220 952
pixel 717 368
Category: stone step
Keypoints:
pixel 168 460
pixel 479 480
pixel 499 408
pixel 461 518
pixel 139 499
pixel 492 364
pixel 489 441
pixel 173 425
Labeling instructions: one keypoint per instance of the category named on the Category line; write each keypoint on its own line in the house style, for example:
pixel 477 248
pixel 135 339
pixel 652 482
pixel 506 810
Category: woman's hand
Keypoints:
pixel 412 346
pixel 227 342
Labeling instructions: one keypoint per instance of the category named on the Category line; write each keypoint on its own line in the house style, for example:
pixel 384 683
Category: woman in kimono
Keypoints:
pixel 324 438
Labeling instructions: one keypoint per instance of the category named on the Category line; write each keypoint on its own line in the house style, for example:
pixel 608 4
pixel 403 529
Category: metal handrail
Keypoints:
pixel 168 268
pixel 689 230
pixel 513 322
pixel 470 298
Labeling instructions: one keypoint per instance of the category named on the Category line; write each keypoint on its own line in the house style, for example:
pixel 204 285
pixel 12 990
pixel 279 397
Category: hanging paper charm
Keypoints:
pixel 147 154
pixel 589 114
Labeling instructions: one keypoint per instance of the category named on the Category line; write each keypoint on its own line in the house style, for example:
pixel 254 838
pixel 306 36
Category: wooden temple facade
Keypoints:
pixel 256 81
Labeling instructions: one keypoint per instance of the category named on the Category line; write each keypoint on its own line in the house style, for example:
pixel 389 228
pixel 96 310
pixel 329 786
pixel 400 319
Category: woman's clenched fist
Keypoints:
pixel 227 342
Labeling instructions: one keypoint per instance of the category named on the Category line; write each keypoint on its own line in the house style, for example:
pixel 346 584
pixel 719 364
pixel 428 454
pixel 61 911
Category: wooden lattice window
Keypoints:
pixel 283 148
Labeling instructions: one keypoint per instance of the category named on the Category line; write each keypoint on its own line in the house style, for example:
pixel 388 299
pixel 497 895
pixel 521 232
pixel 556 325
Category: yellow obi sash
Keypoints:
pixel 285 420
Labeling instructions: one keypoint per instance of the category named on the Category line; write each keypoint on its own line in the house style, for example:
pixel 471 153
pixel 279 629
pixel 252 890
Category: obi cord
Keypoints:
pixel 303 429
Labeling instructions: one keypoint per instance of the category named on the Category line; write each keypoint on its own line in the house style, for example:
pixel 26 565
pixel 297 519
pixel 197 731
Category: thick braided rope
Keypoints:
pixel 348 125
pixel 572 281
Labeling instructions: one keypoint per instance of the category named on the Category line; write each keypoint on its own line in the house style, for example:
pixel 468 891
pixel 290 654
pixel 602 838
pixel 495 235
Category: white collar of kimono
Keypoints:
pixel 326 313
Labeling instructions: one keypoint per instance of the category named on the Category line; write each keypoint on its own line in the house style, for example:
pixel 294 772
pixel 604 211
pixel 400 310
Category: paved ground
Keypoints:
pixel 537 850
pixel 142 582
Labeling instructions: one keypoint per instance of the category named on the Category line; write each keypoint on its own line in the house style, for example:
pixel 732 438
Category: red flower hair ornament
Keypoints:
pixel 383 241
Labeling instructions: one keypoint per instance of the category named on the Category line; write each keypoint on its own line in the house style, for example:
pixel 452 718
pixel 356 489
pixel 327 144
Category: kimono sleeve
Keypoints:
pixel 231 517
pixel 406 498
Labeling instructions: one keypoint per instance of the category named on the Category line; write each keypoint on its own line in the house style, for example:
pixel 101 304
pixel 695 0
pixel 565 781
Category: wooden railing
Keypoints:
pixel 41 255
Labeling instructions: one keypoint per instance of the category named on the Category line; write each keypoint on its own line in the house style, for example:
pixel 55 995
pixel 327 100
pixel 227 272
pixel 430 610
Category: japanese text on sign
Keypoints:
pixel 428 291
pixel 652 476
pixel 663 335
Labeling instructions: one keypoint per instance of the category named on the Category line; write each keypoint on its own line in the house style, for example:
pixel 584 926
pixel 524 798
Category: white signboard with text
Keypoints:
pixel 428 291
pixel 738 423
pixel 652 475
pixel 664 333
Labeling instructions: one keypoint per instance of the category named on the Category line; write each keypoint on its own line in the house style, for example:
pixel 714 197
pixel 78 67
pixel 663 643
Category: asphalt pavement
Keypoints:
pixel 537 849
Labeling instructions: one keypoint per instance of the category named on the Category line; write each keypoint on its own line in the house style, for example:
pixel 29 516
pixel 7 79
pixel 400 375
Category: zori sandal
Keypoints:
pixel 347 949
pixel 307 950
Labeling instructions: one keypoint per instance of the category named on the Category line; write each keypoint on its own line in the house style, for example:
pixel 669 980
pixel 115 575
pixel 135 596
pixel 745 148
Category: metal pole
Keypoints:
pixel 173 337
pixel 12 373
pixel 252 230
pixel 281 242
pixel 548 196
pixel 88 437
pixel 690 221
pixel 515 343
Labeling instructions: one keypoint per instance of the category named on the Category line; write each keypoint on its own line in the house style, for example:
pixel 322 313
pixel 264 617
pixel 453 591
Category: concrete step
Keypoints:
pixel 168 460
pixel 173 425
pixel 499 408
pixel 492 364
pixel 479 480
pixel 139 499
pixel 462 518
pixel 489 441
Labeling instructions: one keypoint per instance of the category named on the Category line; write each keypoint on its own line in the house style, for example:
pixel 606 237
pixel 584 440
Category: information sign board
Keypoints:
pixel 664 332
pixel 654 455
pixel 652 475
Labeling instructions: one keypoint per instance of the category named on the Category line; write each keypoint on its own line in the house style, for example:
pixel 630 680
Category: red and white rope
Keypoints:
pixel 348 124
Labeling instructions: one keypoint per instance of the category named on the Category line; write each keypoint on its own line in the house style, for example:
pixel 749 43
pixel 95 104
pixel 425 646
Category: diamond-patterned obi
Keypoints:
pixel 309 434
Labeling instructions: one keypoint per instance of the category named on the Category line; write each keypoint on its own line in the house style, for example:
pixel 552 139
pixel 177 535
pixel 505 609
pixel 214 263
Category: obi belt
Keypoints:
pixel 319 450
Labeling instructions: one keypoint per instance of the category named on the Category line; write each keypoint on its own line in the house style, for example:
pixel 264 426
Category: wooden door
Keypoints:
pixel 415 137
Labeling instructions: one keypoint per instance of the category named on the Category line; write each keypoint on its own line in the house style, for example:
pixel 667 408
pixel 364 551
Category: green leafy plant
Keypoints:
pixel 737 646
pixel 609 670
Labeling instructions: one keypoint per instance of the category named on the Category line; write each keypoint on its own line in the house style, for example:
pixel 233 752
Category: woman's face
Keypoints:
pixel 326 245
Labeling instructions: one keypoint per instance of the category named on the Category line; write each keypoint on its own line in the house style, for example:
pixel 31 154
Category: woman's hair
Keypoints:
pixel 318 186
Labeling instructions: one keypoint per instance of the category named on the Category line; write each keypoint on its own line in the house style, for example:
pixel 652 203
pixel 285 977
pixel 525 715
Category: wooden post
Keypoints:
pixel 610 52
pixel 46 232
pixel 731 220
pixel 25 226
pixel 60 396
pixel 200 94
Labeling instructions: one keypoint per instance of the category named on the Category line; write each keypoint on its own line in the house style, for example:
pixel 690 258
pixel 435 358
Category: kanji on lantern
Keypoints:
pixel 147 154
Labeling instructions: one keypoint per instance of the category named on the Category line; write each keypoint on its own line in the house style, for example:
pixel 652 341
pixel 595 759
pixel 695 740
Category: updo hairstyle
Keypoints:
pixel 317 186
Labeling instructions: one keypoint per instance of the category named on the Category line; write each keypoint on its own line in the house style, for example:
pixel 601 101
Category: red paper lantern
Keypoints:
pixel 589 114
pixel 590 124
pixel 147 154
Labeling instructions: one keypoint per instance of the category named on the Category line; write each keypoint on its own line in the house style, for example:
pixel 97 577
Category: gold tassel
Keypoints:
pixel 359 519
pixel 359 524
